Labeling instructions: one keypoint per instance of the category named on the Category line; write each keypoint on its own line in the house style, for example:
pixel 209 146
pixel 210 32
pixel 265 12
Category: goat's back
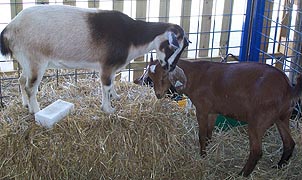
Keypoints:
pixel 58 32
pixel 236 89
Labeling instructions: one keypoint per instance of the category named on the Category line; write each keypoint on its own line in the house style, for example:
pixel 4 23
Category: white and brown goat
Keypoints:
pixel 258 94
pixel 58 36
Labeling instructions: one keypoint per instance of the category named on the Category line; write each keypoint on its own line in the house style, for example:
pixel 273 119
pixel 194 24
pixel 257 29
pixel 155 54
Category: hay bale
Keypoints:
pixel 145 139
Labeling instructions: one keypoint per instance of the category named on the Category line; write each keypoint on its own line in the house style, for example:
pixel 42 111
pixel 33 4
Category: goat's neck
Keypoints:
pixel 192 79
pixel 146 36
pixel 144 32
pixel 137 51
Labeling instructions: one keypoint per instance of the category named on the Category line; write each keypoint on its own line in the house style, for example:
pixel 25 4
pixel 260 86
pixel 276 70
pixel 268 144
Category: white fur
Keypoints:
pixel 172 58
pixel 106 104
pixel 152 68
pixel 177 84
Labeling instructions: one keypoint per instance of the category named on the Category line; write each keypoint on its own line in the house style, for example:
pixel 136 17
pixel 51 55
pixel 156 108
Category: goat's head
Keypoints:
pixel 163 79
pixel 169 47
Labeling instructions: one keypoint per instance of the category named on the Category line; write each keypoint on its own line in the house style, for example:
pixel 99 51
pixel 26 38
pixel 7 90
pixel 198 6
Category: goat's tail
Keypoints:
pixel 4 45
pixel 297 90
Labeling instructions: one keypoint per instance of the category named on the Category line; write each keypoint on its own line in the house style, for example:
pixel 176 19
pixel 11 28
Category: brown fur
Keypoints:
pixel 258 94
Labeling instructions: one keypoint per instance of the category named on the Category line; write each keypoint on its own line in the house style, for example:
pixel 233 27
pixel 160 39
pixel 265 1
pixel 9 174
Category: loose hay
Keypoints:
pixel 145 139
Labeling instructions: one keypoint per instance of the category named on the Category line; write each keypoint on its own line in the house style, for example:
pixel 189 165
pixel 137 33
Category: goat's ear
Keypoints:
pixel 173 39
pixel 178 79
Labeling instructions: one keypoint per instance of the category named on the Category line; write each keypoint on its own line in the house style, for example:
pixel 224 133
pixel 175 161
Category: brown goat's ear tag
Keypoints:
pixel 178 78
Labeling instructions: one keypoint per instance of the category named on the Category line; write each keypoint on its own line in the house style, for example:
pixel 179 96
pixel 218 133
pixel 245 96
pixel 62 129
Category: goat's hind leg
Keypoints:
pixel 255 138
pixel 34 78
pixel 288 142
pixel 22 81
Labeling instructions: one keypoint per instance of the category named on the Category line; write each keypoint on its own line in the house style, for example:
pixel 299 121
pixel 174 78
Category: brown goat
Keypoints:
pixel 258 94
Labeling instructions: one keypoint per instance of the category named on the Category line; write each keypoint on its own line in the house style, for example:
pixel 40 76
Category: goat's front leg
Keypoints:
pixel 203 131
pixel 211 123
pixel 107 86
pixel 114 94
pixel 106 100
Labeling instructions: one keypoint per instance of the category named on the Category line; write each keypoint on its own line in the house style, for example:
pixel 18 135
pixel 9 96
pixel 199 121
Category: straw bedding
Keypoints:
pixel 145 139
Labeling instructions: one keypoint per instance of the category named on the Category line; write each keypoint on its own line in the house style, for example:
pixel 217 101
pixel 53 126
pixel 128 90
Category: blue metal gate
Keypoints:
pixel 273 34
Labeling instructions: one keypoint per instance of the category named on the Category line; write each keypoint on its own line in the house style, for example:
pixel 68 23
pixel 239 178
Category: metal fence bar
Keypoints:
pixel 42 1
pixel 118 5
pixel 298 38
pixel 141 14
pixel 257 29
pixel 164 9
pixel 70 2
pixel 265 30
pixel 226 26
pixel 205 27
pixel 246 33
pixel 185 19
pixel 94 3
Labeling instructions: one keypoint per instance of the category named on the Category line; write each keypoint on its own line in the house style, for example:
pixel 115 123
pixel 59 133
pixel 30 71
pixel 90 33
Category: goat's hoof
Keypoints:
pixel 116 97
pixel 33 111
pixel 25 103
pixel 243 174
pixel 25 106
pixel 109 110
pixel 280 165
pixel 203 154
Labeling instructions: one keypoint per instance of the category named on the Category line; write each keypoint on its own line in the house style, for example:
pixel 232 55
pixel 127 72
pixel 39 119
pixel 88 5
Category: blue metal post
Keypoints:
pixel 256 31
pixel 243 54
pixel 252 30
